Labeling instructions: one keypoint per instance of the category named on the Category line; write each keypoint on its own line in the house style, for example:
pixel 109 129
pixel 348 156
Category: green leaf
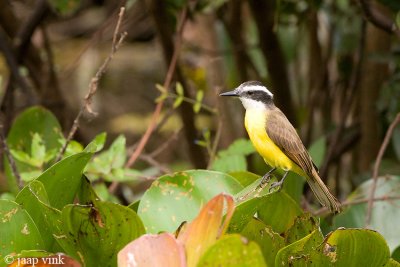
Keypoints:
pixel 29 176
pixel 100 231
pixel 294 185
pixel 178 101
pixel 230 163
pixel 23 157
pixel 17 230
pixel 388 209
pixel 161 88
pixel 303 252
pixel 269 241
pixel 249 200
pixel 179 89
pixel 233 250
pixel 303 225
pixel 392 263
pixel 279 211
pixel 173 199
pixel 29 198
pixel 398 20
pixel 396 254
pixel 97 143
pixel 109 163
pixel 197 107
pixel 35 120
pixel 245 178
pixel 356 247
pixel 63 179
pixel 199 95
pixel 233 158
pixel 38 149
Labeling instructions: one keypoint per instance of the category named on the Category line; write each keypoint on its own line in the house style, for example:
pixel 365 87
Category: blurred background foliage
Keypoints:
pixel 334 74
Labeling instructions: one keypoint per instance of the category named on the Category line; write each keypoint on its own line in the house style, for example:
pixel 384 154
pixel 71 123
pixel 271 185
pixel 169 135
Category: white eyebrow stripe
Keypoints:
pixel 257 88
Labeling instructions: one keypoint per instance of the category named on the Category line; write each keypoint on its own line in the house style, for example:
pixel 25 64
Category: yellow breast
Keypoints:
pixel 255 123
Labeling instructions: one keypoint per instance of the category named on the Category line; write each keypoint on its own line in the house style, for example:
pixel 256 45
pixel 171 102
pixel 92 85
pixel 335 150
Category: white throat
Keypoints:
pixel 251 104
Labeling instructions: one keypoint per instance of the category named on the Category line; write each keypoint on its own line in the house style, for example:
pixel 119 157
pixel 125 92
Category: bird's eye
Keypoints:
pixel 250 92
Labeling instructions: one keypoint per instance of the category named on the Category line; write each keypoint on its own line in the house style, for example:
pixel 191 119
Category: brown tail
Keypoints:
pixel 322 192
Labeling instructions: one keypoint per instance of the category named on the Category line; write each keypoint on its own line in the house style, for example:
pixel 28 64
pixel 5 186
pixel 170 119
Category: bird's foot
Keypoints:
pixel 264 180
pixel 275 185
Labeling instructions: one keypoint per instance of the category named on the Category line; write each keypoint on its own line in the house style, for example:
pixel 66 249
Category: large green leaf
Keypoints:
pixel 28 198
pixel 303 252
pixel 279 211
pixel 245 178
pixel 100 231
pixel 248 202
pixel 63 179
pixel 385 214
pixel 269 241
pixel 35 121
pixel 356 247
pixel 233 250
pixel 173 199
pixel 303 225
pixel 17 230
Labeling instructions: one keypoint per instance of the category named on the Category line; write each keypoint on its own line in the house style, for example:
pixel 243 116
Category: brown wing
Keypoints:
pixel 283 134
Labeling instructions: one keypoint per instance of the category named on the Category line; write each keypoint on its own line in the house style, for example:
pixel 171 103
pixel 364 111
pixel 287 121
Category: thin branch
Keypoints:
pixel 118 38
pixel 166 144
pixel 167 83
pixel 376 17
pixel 10 158
pixel 150 160
pixel 382 149
pixel 325 210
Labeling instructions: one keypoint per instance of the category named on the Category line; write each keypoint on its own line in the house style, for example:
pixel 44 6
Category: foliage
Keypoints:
pixel 59 211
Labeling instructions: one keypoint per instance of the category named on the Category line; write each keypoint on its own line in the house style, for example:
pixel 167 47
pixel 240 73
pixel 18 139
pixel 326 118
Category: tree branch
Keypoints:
pixel 118 38
pixel 167 83
pixel 382 149
pixel 325 211
pixel 376 17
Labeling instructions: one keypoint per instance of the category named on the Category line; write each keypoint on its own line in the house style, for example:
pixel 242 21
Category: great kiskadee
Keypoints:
pixel 276 140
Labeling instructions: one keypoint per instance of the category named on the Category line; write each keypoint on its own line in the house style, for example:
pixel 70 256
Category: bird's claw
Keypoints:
pixel 265 179
pixel 274 185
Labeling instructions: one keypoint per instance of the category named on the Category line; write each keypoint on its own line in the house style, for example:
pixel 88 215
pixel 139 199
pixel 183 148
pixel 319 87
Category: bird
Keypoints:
pixel 277 141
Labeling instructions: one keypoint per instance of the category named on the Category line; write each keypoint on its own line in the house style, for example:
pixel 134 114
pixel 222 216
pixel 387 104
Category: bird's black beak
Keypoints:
pixel 230 93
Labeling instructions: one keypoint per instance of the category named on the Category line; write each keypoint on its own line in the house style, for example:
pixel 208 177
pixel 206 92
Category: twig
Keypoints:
pixel 10 158
pixel 193 101
pixel 118 38
pixel 325 210
pixel 167 83
pixel 149 159
pixel 378 19
pixel 382 149
pixel 165 144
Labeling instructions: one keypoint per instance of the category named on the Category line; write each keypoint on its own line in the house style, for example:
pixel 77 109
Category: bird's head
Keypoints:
pixel 253 94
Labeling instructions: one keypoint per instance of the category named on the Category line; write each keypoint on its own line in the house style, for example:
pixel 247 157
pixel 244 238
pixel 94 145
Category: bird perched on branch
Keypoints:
pixel 277 141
